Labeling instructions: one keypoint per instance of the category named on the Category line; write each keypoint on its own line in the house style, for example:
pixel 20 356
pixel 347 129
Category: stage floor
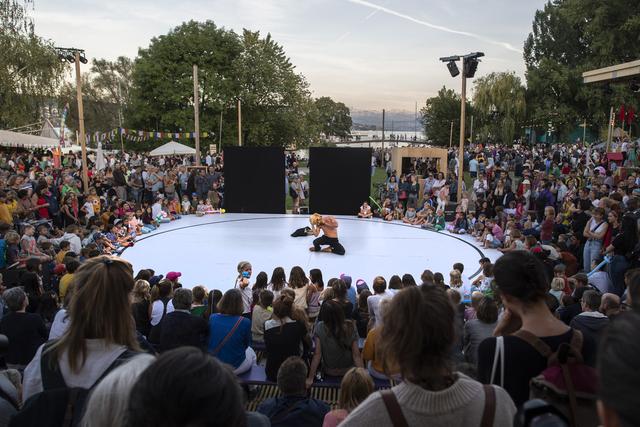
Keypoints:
pixel 206 250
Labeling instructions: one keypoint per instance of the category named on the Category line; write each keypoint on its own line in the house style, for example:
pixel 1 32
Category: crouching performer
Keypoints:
pixel 329 227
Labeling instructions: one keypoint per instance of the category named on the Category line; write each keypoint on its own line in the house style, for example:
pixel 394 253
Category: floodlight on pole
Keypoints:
pixel 469 67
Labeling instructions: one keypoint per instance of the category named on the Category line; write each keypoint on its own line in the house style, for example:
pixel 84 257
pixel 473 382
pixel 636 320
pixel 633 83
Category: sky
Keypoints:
pixel 369 54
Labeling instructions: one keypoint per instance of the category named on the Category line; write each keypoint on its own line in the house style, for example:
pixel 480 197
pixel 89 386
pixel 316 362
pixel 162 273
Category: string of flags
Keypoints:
pixel 135 135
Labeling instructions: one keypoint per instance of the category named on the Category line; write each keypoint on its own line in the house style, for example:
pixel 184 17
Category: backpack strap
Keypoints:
pixel 535 342
pixel 489 413
pixel 6 396
pixel 226 338
pixel 393 408
pixel 49 369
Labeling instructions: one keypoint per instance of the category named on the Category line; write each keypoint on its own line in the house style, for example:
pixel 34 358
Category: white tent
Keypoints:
pixel 173 148
pixel 16 139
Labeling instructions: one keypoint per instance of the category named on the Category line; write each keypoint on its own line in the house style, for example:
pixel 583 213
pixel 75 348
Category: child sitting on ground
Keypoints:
pixel 365 211
pixel 398 212
pixel 186 205
pixel 409 215
pixel 459 224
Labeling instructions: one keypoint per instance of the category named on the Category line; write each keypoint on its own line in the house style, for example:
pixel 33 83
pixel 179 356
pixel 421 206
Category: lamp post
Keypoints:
pixel 77 56
pixel 469 67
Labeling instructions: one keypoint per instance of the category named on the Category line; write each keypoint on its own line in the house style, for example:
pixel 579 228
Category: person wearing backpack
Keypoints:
pixel 101 336
pixel 522 286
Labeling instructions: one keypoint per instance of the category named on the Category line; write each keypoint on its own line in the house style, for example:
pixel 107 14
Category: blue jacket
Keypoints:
pixel 294 411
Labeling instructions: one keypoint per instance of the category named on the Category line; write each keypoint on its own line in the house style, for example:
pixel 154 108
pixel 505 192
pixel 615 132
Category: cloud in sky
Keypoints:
pixel 434 26
pixel 356 51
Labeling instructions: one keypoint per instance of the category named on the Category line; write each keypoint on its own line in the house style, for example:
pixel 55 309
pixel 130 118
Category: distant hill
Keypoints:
pixel 394 120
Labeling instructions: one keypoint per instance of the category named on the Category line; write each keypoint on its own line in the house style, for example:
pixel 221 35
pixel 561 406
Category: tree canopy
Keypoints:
pixel 439 112
pixel 335 117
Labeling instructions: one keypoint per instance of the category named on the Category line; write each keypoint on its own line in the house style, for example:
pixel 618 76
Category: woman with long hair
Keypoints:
pixel 230 336
pixel 283 336
pixel 161 295
pixel 339 296
pixel 336 341
pixel 417 340
pixel 300 284
pixel 140 302
pixel 316 286
pixel 101 329
pixel 355 387
pixel 278 282
pixel 259 285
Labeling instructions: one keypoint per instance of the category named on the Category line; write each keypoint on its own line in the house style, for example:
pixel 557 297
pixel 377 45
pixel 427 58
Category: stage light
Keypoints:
pixel 453 68
pixel 70 57
pixel 634 86
pixel 470 68
pixel 83 59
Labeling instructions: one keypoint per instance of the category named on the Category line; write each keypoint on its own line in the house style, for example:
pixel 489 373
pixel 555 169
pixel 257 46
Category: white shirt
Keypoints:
pixel 88 206
pixel 247 296
pixel 74 242
pixel 374 306
pixel 156 311
pixel 60 324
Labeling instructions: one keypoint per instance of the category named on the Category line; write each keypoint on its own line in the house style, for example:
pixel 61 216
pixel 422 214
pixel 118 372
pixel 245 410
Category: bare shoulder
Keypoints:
pixel 330 221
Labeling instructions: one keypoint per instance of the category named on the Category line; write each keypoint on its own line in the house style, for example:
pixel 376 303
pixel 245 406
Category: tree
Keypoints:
pixel 499 102
pixel 572 36
pixel 105 95
pixel 335 117
pixel 438 114
pixel 30 71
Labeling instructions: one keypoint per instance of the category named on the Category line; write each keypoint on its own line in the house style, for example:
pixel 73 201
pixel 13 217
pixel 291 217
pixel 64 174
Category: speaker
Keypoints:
pixel 339 179
pixel 254 180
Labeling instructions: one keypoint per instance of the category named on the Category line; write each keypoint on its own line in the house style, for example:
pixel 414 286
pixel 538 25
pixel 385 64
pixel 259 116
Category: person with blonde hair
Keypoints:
pixel 108 403
pixel 455 280
pixel 100 337
pixel 355 387
pixel 557 285
pixel 329 227
pixel 140 306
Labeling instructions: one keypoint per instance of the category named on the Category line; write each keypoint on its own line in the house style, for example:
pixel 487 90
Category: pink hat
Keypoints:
pixel 173 275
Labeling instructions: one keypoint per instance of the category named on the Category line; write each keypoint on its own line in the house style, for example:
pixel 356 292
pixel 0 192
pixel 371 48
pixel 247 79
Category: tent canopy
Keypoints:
pixel 173 148
pixel 16 139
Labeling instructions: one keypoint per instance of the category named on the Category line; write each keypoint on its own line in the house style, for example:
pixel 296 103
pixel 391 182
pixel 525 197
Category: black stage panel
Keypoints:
pixel 339 179
pixel 254 180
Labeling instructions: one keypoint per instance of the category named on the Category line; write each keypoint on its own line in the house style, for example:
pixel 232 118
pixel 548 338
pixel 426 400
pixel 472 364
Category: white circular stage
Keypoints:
pixel 206 250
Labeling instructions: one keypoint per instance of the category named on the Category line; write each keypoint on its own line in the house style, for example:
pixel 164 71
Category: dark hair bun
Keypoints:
pixel 521 275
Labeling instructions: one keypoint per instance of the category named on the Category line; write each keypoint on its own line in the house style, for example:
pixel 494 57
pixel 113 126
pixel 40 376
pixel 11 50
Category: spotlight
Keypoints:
pixel 634 86
pixel 83 59
pixel 453 68
pixel 70 57
pixel 470 67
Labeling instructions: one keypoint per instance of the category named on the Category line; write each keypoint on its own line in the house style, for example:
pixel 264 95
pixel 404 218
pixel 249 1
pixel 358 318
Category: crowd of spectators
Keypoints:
pixel 143 350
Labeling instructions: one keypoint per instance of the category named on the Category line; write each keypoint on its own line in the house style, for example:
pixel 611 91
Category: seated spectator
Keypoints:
pixel 107 405
pixel 70 267
pixel 600 279
pixel 590 322
pixel 361 313
pixel 230 333
pixel 340 297
pixel 355 387
pixel 418 339
pixel 476 330
pixel 379 293
pixel 283 336
pixel 161 295
pixel 101 333
pixel 31 282
pixel 198 307
pixel 180 327
pixel 557 286
pixel 26 331
pixel 521 280
pixel 294 407
pixel 261 313
pixel 140 306
pixel 336 343
pixel 610 305
pixel 370 356
pixel 61 320
pixel 618 369
pixel 172 392
pixel 470 312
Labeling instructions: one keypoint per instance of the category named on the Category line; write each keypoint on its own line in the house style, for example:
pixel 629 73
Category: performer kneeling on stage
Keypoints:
pixel 329 227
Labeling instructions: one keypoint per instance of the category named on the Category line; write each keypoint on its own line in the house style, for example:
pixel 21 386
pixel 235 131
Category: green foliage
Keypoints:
pixel 276 106
pixel 105 93
pixel 30 71
pixel 438 114
pixel 499 102
pixel 335 117
pixel 572 36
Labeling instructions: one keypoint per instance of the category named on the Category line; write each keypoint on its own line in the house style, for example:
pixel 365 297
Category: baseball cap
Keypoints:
pixel 347 279
pixel 173 275
pixel 154 280
pixel 361 285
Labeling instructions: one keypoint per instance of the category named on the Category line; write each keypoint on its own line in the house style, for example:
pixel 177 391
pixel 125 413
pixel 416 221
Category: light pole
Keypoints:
pixel 469 67
pixel 77 56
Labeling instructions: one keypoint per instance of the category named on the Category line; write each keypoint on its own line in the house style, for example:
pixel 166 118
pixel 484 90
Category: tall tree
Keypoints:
pixel 569 37
pixel 499 103
pixel 335 117
pixel 438 114
pixel 30 71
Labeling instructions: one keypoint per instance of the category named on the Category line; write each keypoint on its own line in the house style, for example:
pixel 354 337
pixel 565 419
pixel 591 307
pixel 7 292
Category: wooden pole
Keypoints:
pixel 383 114
pixel 239 124
pixel 451 134
pixel 584 132
pixel 471 131
pixel 610 130
pixel 120 116
pixel 81 135
pixel 463 112
pixel 196 111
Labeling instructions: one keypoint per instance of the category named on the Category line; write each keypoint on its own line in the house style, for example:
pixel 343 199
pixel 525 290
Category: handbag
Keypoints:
pixel 499 355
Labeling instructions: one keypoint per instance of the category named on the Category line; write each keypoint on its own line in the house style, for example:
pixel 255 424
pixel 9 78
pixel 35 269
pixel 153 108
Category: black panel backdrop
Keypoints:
pixel 254 180
pixel 339 179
